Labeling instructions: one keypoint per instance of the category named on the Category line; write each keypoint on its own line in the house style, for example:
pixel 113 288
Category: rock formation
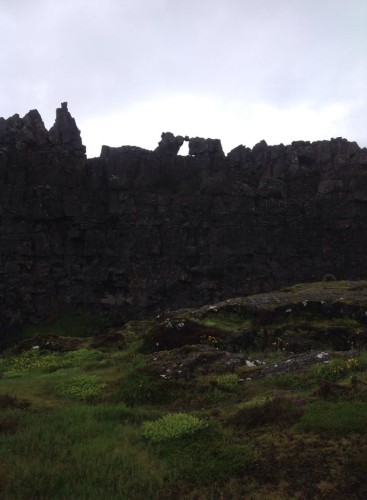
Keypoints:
pixel 137 230
pixel 199 146
pixel 170 144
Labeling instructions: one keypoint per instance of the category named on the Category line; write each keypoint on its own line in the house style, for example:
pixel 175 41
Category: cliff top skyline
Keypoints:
pixel 241 71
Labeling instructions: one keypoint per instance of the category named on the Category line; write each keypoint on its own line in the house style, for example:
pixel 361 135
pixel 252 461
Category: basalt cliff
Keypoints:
pixel 135 230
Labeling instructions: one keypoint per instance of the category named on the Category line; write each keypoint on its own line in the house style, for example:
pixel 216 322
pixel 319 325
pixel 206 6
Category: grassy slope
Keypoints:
pixel 299 435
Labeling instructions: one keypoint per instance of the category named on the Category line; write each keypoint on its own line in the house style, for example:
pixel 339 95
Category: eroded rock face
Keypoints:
pixel 138 230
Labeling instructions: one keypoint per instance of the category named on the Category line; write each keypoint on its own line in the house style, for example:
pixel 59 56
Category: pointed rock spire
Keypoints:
pixel 64 134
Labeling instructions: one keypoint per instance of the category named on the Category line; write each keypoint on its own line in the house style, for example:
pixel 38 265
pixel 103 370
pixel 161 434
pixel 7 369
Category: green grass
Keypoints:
pixel 101 423
pixel 205 458
pixel 75 454
pixel 74 323
pixel 334 370
pixel 335 419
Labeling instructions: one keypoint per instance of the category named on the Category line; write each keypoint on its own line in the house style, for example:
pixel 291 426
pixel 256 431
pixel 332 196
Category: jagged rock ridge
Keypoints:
pixel 135 229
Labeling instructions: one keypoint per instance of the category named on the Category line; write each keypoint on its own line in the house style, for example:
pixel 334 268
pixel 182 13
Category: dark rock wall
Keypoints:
pixel 136 230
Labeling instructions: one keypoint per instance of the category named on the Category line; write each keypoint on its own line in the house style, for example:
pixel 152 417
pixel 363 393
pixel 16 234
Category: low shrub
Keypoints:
pixel 228 381
pixel 172 426
pixel 82 388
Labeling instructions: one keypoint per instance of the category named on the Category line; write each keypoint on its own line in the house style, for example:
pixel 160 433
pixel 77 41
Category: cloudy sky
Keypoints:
pixel 237 70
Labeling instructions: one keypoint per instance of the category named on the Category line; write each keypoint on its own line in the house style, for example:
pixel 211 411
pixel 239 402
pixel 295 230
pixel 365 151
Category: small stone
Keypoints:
pixel 322 355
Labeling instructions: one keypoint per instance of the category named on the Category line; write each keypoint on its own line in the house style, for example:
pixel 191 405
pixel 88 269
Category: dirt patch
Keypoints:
pixel 11 402
pixel 113 339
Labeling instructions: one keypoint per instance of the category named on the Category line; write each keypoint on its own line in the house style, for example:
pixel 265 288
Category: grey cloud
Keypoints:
pixel 103 55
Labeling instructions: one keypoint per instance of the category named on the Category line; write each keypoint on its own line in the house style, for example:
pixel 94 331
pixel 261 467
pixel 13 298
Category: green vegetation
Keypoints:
pixel 36 361
pixel 82 388
pixel 76 323
pixel 334 370
pixel 118 422
pixel 205 458
pixel 335 419
pixel 72 453
pixel 228 382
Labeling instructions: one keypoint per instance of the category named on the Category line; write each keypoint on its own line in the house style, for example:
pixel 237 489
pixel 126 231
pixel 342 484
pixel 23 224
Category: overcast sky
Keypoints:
pixel 237 70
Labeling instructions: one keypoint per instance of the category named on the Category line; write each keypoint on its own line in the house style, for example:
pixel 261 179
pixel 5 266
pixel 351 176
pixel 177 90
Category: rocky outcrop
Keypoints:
pixel 136 230
pixel 23 133
pixel 199 147
pixel 170 144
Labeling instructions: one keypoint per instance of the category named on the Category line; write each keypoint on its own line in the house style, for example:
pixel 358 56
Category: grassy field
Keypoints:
pixel 97 422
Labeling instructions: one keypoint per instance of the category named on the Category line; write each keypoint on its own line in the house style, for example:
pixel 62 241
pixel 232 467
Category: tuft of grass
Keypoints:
pixel 228 382
pixel 172 426
pixel 335 419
